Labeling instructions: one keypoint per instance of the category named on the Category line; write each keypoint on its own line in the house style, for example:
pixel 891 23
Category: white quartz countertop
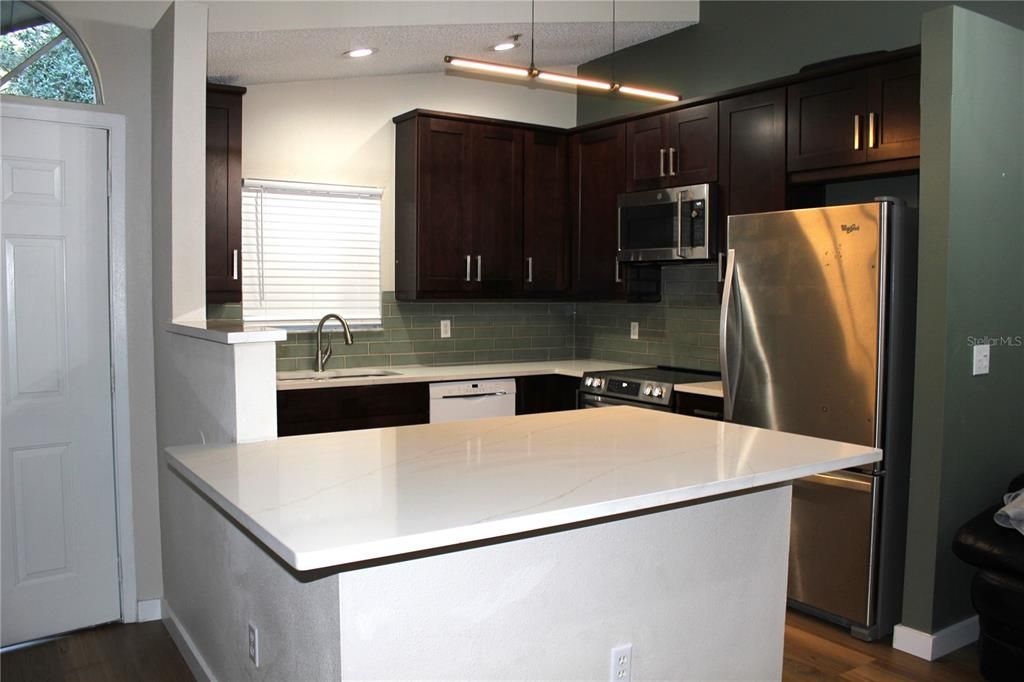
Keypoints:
pixel 335 499
pixel 420 373
pixel 227 331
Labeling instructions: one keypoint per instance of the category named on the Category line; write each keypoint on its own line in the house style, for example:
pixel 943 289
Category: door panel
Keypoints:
pixel 803 321
pixel 598 177
pixel 223 197
pixel 497 209
pixel 895 100
pixel 830 562
pixel 827 122
pixel 693 135
pixel 59 564
pixel 445 243
pixel 546 231
pixel 752 154
pixel 646 154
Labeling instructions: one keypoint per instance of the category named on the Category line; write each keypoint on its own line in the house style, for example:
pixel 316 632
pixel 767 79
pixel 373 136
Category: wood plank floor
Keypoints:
pixel 144 651
pixel 816 650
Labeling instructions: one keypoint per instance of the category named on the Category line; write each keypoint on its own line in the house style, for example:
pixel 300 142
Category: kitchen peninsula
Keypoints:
pixel 521 547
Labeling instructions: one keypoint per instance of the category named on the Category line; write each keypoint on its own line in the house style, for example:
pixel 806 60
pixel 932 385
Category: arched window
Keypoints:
pixel 41 56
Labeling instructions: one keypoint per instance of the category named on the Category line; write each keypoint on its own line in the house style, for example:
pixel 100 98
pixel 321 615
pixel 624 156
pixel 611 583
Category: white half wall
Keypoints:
pixel 340 131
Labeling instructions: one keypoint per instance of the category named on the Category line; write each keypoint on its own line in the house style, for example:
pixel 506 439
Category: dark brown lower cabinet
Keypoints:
pixel 347 408
pixel 697 405
pixel 545 393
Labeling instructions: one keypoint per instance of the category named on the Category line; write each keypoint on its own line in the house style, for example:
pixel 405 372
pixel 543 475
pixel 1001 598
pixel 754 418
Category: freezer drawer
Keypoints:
pixel 831 565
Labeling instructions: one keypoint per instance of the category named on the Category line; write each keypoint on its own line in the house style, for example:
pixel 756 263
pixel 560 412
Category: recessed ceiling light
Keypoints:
pixel 510 44
pixel 360 52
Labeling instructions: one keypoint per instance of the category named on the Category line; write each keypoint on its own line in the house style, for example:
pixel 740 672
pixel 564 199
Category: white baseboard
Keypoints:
pixel 933 646
pixel 200 670
pixel 149 609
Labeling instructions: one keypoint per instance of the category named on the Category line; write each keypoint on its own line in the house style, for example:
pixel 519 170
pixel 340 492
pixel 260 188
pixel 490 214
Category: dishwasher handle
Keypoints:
pixel 473 395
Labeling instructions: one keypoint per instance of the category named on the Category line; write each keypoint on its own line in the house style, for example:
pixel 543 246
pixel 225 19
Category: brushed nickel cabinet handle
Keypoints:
pixel 469 268
pixel 661 162
pixel 872 141
pixel 234 264
pixel 856 131
pixel 529 269
pixel 479 268
pixel 618 276
pixel 671 160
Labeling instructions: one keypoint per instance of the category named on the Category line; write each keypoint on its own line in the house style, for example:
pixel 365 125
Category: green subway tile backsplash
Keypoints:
pixel 681 330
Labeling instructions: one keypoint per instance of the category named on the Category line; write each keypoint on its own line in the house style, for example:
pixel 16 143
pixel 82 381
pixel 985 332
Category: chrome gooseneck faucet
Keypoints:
pixel 324 354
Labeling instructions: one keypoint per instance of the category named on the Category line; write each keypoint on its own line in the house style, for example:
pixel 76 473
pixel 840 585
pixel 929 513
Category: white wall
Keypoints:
pixel 122 56
pixel 340 131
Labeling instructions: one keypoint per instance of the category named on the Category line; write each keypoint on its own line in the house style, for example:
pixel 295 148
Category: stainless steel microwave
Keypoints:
pixel 666 224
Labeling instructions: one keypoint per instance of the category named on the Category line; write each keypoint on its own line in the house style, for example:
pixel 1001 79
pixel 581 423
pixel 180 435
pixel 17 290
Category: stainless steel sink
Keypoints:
pixel 311 375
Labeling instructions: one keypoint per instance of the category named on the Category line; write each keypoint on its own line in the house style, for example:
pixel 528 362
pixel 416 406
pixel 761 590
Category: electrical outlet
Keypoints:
pixel 982 354
pixel 254 645
pixel 446 329
pixel 634 330
pixel 621 663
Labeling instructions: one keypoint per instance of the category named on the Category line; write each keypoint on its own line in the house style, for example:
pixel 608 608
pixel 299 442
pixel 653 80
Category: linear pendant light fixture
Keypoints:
pixel 532 72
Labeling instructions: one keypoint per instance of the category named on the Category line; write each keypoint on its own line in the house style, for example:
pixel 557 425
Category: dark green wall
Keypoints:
pixel 739 43
pixel 968 431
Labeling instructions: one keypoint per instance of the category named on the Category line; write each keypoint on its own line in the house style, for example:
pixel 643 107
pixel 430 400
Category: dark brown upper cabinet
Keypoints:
pixel 598 176
pixel 676 148
pixel 223 193
pixel 752 155
pixel 496 191
pixel 458 209
pixel 546 225
pixel 867 115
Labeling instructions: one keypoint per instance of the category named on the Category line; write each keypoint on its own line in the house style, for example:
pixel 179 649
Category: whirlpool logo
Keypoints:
pixel 852 227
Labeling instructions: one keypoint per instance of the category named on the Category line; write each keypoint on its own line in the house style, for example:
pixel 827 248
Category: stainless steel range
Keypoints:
pixel 648 387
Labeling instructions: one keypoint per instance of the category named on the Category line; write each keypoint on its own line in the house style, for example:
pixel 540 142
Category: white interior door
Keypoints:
pixel 59 541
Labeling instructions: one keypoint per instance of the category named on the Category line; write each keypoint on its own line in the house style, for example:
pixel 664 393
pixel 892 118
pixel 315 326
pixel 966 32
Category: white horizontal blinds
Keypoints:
pixel 309 250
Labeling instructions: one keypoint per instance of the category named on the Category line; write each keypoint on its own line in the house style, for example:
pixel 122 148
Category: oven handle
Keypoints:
pixel 590 400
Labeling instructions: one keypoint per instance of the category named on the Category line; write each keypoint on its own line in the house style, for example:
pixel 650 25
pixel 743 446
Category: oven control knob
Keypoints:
pixel 658 392
pixel 648 389
pixel 589 381
pixel 598 382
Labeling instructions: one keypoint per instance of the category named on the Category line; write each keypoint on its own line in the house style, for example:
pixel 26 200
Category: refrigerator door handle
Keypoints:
pixel 723 329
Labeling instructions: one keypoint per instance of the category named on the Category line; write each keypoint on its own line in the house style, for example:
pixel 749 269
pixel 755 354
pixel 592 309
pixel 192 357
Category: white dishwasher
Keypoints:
pixel 457 400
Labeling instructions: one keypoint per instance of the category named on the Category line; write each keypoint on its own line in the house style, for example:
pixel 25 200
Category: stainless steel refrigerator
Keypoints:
pixel 817 338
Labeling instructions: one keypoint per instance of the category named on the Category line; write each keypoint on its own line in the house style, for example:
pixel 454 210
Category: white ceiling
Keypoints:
pixel 266 42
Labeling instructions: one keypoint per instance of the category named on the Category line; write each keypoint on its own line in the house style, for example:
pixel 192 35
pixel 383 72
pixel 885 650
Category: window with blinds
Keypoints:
pixel 309 250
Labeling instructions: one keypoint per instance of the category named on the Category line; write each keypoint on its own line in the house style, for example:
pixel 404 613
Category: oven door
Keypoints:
pixel 588 401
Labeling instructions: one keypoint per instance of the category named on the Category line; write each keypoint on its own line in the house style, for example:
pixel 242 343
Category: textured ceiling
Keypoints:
pixel 251 57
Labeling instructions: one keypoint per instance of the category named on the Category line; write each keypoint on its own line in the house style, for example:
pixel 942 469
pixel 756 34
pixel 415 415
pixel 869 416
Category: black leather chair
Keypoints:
pixel 997 591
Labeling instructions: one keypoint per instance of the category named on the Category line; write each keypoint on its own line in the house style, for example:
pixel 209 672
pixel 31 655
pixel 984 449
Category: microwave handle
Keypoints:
pixel 680 236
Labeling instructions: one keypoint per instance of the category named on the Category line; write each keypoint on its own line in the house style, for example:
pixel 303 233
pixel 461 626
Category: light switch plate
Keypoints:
pixel 446 329
pixel 982 353
pixel 634 330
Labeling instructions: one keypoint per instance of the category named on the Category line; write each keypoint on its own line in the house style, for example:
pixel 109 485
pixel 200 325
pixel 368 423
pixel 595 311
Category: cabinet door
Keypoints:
pixel 444 238
pixel 894 110
pixel 826 122
pixel 752 155
pixel 223 197
pixel 546 230
pixel 647 154
pixel 693 145
pixel 598 177
pixel 496 194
